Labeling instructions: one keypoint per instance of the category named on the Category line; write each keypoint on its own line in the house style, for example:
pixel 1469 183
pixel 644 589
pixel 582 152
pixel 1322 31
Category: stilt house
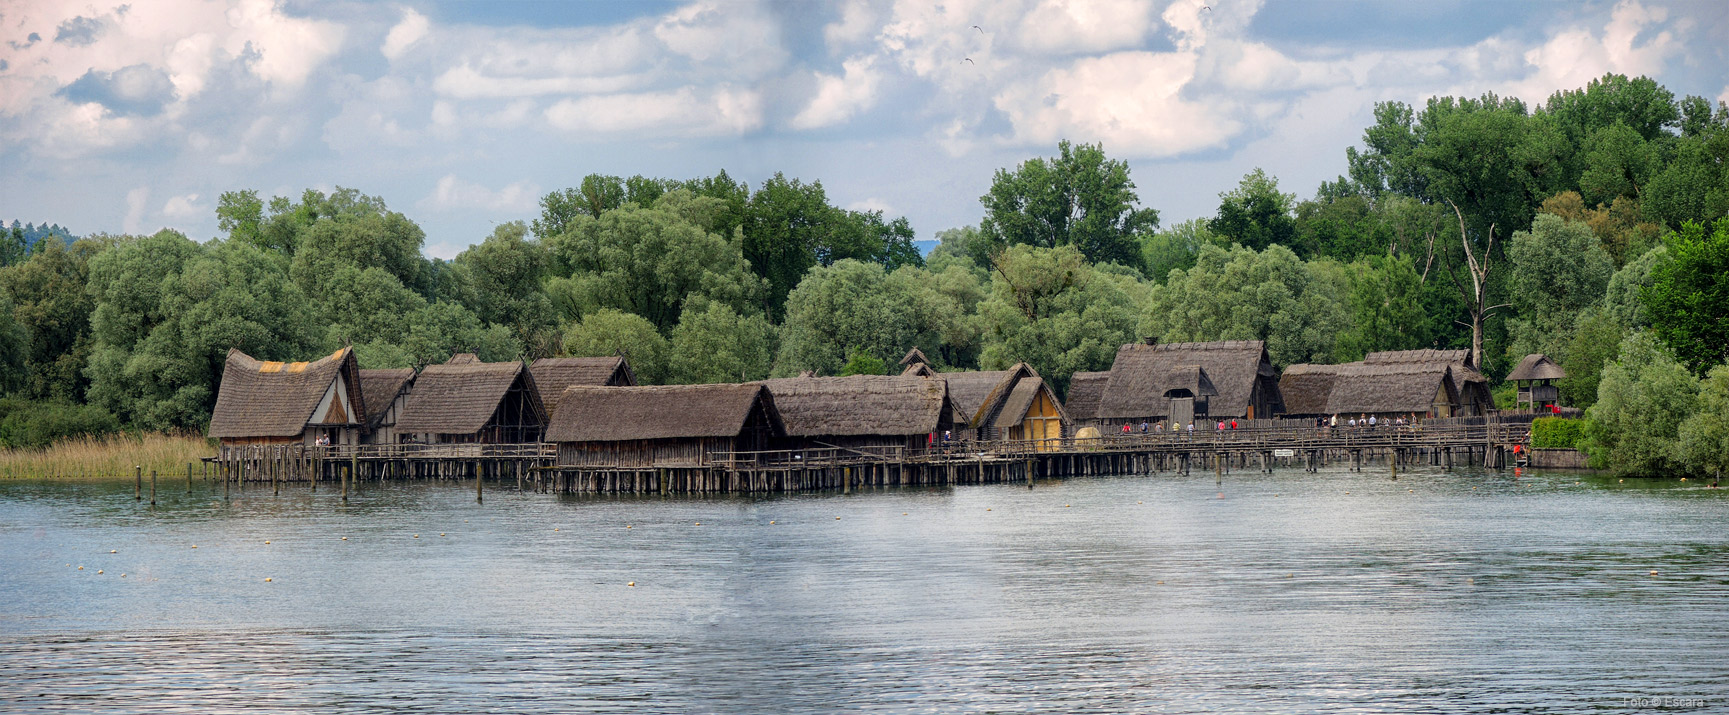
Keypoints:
pixel 1178 383
pixel 385 393
pixel 1406 383
pixel 670 426
pixel 468 401
pixel 1536 376
pixel 281 403
pixel 553 375
pixel 864 412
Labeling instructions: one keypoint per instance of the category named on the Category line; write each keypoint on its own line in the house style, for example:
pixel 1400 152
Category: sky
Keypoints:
pixel 134 116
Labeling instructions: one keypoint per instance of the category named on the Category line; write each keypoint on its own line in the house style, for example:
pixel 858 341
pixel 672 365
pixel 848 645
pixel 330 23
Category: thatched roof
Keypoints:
pixel 1085 390
pixel 380 388
pixel 974 393
pixel 1143 374
pixel 859 405
pixel 1389 387
pixel 1015 406
pixel 553 375
pixel 917 368
pixel 462 359
pixel 460 398
pixel 613 414
pixel 1387 357
pixel 1306 388
pixel 1537 366
pixel 914 356
pixel 274 399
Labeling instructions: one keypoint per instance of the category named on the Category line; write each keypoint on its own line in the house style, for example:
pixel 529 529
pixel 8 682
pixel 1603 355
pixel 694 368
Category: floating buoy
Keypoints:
pixel 1653 573
pixel 903 513
pixel 80 568
pixel 122 575
pixel 344 538
pixel 99 572
pixel 113 551
pixel 771 522
pixel 1290 575
pixel 987 508
pixel 441 533
pixel 1683 479
pixel 194 546
pixel 416 536
pixel 1065 506
pixel 555 528
pixel 632 584
pixel 266 543
pixel 627 526
pixel 1222 494
pixel 1161 583
pixel 837 518
pixel 700 523
pixel 267 579
pixel 1470 580
pixel 1137 502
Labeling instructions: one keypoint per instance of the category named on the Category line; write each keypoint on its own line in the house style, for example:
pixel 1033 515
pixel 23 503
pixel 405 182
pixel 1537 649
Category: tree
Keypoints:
pixel 1079 198
pixel 1559 270
pixel 12 246
pixel 647 261
pixel 1705 435
pixel 1595 340
pixel 1241 294
pixel 860 362
pixel 440 329
pixel 50 302
pixel 1618 163
pixel 167 312
pixel 1386 308
pixel 1689 295
pixel 1050 308
pixel 853 305
pixel 713 343
pixel 1618 225
pixel 607 332
pixel 505 271
pixel 240 214
pixel 1643 398
pixel 14 349
pixel 1176 248
pixel 1255 214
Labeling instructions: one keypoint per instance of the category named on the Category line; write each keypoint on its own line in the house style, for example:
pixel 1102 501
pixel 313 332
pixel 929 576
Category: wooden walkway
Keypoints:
pixel 532 467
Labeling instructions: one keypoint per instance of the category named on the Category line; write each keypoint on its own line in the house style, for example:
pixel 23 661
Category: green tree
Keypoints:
pixel 14 349
pixel 1705 435
pixel 12 248
pixel 1255 214
pixel 713 343
pixel 506 271
pixel 648 261
pixel 1559 270
pixel 1595 341
pixel 1241 294
pixel 50 302
pixel 1052 309
pixel 1386 308
pixel 167 312
pixel 854 305
pixel 440 329
pixel 1079 198
pixel 861 362
pixel 1689 295
pixel 240 214
pixel 1694 185
pixel 1618 164
pixel 1641 402
pixel 607 332
pixel 1176 248
pixel 1618 225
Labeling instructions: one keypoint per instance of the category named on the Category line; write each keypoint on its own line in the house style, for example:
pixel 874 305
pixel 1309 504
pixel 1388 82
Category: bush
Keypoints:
pixel 1557 433
pixel 30 424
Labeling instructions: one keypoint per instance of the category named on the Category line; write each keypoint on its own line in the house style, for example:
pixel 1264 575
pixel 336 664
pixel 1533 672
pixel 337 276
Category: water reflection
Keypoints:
pixel 1294 592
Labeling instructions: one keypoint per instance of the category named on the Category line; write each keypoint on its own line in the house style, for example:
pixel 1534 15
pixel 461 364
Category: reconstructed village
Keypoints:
pixel 584 424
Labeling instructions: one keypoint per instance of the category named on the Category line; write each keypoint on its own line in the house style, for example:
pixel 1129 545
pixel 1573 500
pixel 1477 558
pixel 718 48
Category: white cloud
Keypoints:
pixel 1724 97
pixel 681 112
pixel 742 38
pixel 1061 26
pixel 838 98
pixel 858 22
pixel 134 220
pixel 410 30
pixel 452 193
pixel 1131 101
pixel 871 203
pixel 185 206
pixel 1574 57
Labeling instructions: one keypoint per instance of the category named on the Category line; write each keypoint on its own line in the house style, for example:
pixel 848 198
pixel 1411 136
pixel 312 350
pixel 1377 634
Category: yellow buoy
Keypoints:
pixel 194 546
pixel 699 523
pixel 627 526
pixel 80 568
pixel 344 538
pixel 771 522
pixel 632 584
pixel 267 579
pixel 122 575
pixel 1161 583
pixel 416 536
pixel 1065 506
pixel 441 533
pixel 99 572
pixel 113 551
pixel 266 543
pixel 837 518
pixel 1653 573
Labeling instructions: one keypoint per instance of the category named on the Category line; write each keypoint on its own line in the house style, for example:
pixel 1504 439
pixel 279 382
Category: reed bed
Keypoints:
pixel 106 457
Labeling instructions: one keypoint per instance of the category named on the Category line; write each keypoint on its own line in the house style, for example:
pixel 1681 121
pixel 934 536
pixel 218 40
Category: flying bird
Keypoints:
pixel 980 29
pixel 969 61
pixel 1208 8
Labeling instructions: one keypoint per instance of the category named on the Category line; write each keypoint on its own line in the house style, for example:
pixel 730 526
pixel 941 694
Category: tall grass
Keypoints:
pixel 106 457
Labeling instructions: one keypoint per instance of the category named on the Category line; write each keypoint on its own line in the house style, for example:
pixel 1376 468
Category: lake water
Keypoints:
pixel 1292 592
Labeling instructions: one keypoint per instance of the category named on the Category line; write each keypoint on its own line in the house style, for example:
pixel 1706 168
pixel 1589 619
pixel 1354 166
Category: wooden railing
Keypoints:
pixel 338 452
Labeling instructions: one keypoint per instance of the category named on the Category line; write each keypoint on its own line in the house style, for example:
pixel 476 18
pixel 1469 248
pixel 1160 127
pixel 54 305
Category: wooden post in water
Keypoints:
pixel 1393 462
pixel 152 487
pixel 137 483
pixel 353 473
pixel 189 478
pixel 477 496
pixel 1030 473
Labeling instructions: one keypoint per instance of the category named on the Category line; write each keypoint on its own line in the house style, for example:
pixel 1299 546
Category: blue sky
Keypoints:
pixel 131 116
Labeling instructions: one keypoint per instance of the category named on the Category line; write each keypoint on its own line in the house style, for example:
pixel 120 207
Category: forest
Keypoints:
pixel 1593 228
